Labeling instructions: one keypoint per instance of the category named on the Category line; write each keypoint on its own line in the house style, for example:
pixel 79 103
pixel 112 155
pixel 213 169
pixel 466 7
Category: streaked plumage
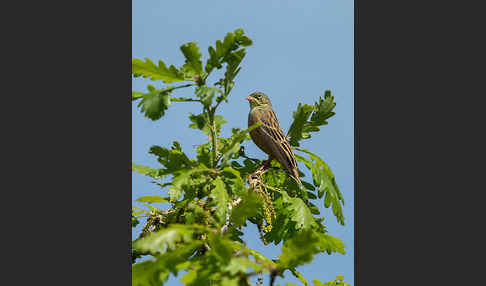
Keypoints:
pixel 269 136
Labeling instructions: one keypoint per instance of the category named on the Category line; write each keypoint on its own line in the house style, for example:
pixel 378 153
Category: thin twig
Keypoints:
pixel 214 141
pixel 273 274
pixel 228 215
pixel 181 99
pixel 236 202
pixel 180 86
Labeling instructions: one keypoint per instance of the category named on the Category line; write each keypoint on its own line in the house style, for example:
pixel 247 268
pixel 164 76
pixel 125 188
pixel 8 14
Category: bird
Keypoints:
pixel 269 136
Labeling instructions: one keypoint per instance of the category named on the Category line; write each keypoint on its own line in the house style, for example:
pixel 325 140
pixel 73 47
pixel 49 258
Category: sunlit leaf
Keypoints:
pixel 300 119
pixel 166 239
pixel 325 182
pixel 248 207
pixel 201 122
pixel 152 199
pixel 193 65
pixel 155 102
pixel 234 145
pixel 303 125
pixel 148 69
pixel 221 197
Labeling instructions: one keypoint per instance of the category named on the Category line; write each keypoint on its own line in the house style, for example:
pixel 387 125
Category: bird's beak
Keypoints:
pixel 250 98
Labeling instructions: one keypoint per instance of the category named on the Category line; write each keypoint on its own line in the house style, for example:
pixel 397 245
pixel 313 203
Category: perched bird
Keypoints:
pixel 269 136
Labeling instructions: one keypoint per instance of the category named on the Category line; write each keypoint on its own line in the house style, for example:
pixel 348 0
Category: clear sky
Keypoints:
pixel 300 48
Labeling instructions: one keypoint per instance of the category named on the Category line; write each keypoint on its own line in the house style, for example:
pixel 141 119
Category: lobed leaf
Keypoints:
pixel 221 198
pixel 234 146
pixel 155 272
pixel 155 102
pixel 201 122
pixel 145 170
pixel 299 212
pixel 182 178
pixel 172 159
pixel 301 248
pixel 325 182
pixel 300 116
pixel 137 95
pixel 302 215
pixel 223 51
pixel 206 94
pixel 166 239
pixel 248 207
pixel 193 64
pixel 152 199
pixel 319 113
pixel 148 69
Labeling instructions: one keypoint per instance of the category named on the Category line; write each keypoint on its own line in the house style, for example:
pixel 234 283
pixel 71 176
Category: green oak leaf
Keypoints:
pixel 204 154
pixel 156 272
pixel 182 178
pixel 220 54
pixel 145 170
pixel 323 109
pixel 221 198
pixel 155 102
pixel 193 64
pixel 331 244
pixel 172 159
pixel 302 215
pixel 137 95
pixel 152 199
pixel 296 128
pixel 145 273
pixel 166 239
pixel 206 94
pixel 325 182
pixel 240 265
pixel 319 113
pixel 298 250
pixel 221 247
pixel 234 146
pixel 299 212
pixel 201 122
pixel 148 69
pixel 233 179
pixel 248 207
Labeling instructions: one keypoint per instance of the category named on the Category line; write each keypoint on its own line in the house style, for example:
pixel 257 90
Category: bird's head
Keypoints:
pixel 258 99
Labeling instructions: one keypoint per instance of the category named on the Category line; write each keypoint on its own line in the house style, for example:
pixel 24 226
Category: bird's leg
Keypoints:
pixel 255 179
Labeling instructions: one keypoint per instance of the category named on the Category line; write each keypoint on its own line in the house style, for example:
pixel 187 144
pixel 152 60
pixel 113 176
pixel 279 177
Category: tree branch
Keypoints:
pixel 212 129
pixel 182 99
pixel 228 215
pixel 273 274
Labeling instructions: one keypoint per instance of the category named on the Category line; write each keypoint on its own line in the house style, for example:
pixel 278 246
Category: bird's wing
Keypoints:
pixel 278 144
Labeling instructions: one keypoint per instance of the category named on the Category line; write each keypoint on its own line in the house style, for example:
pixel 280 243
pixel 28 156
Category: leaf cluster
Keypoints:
pixel 229 53
pixel 206 201
pixel 308 118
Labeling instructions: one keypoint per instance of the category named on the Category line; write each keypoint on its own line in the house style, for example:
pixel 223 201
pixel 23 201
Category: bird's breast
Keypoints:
pixel 256 134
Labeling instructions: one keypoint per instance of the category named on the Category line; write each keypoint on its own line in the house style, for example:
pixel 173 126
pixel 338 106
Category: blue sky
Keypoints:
pixel 300 48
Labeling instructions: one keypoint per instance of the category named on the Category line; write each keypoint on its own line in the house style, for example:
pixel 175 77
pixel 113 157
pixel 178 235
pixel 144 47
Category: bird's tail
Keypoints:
pixel 295 175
